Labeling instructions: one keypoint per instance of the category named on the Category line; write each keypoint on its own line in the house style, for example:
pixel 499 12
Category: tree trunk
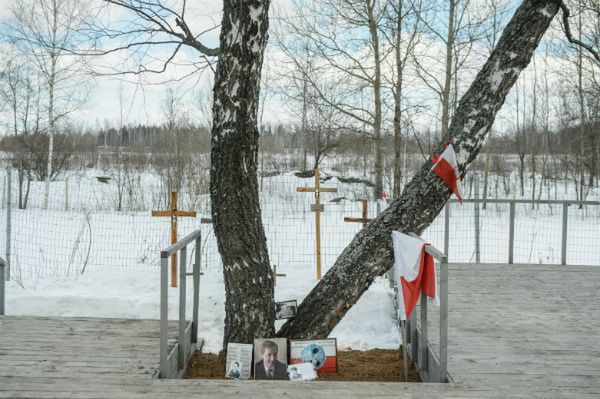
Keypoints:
pixel 522 172
pixel 370 253
pixel 50 131
pixel 304 132
pixel 398 107
pixel 377 97
pixel 249 304
pixel 448 76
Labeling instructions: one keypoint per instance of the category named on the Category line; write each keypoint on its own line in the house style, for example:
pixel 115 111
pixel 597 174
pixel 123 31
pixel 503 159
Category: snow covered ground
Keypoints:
pixel 135 294
pixel 90 260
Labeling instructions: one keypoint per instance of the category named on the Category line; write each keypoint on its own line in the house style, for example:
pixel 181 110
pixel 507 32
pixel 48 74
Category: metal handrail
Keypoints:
pixel 182 345
pixel 420 352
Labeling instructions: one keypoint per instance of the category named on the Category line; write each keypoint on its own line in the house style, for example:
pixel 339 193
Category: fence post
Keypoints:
pixel 511 233
pixel 182 341
pixel 476 210
pixel 2 286
pixel 8 223
pixel 565 219
pixel 164 313
pixel 447 228
pixel 196 288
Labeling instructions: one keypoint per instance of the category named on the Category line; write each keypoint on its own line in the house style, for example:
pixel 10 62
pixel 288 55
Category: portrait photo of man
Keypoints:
pixel 268 367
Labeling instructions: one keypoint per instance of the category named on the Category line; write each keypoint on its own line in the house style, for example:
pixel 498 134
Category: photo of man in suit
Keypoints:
pixel 269 368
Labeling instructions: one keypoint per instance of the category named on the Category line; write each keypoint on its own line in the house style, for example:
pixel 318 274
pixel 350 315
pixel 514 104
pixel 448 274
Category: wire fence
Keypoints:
pixel 95 223
pixel 542 232
pixel 81 229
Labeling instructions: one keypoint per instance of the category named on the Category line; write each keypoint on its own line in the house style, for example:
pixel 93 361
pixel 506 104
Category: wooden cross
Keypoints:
pixel 275 275
pixel 317 208
pixel 365 215
pixel 173 213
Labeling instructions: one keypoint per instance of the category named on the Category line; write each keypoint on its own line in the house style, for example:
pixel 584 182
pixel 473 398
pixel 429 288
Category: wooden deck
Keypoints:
pixel 514 331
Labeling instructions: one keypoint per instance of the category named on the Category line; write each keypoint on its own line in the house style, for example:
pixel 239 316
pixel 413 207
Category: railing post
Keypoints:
pixel 423 342
pixel 412 329
pixel 164 313
pixel 511 233
pixel 182 340
pixel 443 318
pixel 476 220
pixel 8 222
pixel 447 228
pixel 197 259
pixel 563 248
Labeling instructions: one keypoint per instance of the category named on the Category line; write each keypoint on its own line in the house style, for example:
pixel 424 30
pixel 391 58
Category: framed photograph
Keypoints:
pixel 270 359
pixel 239 361
pixel 321 353
pixel 302 372
pixel 286 309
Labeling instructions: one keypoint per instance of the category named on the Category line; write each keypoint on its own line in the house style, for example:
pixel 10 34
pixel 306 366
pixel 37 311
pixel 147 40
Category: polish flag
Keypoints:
pixel 414 269
pixel 446 168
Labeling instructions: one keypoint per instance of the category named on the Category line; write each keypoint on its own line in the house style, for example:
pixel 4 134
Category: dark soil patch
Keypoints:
pixel 353 365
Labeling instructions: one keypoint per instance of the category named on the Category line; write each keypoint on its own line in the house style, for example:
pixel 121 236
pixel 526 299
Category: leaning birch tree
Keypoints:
pixel 370 253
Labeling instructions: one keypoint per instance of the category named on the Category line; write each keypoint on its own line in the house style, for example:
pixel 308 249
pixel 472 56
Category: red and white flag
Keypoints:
pixel 414 270
pixel 446 168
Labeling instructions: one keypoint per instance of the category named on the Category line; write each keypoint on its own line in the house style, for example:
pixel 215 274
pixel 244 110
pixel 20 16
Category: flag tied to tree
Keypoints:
pixel 414 269
pixel 446 168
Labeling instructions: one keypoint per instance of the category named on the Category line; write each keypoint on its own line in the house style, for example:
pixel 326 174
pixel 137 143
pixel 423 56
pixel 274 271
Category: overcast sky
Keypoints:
pixel 138 98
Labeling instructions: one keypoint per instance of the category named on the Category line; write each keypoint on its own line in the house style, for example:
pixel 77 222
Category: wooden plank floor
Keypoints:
pixel 514 331
pixel 533 327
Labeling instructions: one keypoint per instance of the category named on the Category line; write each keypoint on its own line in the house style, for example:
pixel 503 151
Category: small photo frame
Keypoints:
pixel 286 309
pixel 270 359
pixel 302 372
pixel 239 361
pixel 321 353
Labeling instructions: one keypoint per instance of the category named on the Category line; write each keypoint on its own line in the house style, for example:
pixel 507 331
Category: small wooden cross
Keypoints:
pixel 317 208
pixel 173 213
pixel 275 275
pixel 365 215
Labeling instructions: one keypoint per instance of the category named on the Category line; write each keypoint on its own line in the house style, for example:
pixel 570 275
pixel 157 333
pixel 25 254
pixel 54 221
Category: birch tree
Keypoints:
pixel 370 253
pixel 44 30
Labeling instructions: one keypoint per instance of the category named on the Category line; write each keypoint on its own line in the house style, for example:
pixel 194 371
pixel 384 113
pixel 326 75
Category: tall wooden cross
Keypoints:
pixel 365 215
pixel 173 213
pixel 317 208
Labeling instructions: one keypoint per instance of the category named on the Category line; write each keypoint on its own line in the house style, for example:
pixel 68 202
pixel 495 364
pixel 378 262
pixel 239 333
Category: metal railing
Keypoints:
pixel 174 362
pixel 433 367
pixel 511 231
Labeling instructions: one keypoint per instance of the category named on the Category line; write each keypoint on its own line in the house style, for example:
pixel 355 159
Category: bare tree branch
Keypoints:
pixel 565 18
